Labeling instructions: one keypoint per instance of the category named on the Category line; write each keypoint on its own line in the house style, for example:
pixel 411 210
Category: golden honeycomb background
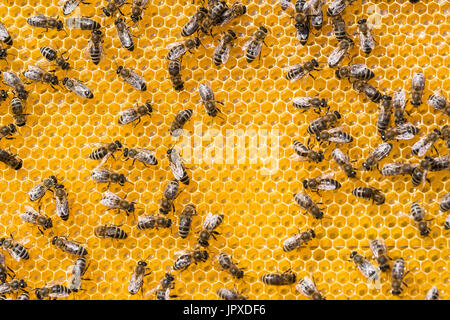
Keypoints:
pixel 259 210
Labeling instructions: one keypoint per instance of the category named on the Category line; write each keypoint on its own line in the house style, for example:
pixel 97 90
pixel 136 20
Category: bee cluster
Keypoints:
pixel 323 131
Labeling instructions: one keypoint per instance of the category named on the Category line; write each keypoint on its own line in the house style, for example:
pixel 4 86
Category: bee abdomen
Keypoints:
pixel 445 204
pixel 98 154
pixel 362 192
pixel 21 251
pixel 95 52
pixel 48 53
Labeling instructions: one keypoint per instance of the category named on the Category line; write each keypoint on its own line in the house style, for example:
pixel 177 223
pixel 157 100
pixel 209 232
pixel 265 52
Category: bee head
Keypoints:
pixel 203 10
pixel 22 94
pixel 106 12
pixel 1 241
pixel 131 207
pixel 48 224
pixel 337 73
pixel 64 81
pixel 3 94
pixel 305 184
pixel 169 277
pixel 315 63
pixel 22 284
pixel 12 128
pixel 320 156
pixel 240 274
pixel 361 21
pixel 197 41
pixel 125 152
pixel 337 114
pixel 323 102
pixel 118 21
pixel 54 180
pixel 59 25
pixel 353 254
pixel 313 234
pixel 119 69
pixel 383 136
pixel 437 131
pixel 54 239
pixel 118 144
pixel 55 80
pixel 149 107
pixel 19 165
pixel 262 28
pixel 231 33
pixel 142 263
pixel 122 178
pixel 386 97
pixel 39 292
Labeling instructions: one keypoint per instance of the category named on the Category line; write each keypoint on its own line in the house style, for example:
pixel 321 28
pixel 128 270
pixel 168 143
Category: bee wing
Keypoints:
pixel 140 3
pixel 368 270
pixel 405 132
pixel 399 99
pixel 175 44
pixel 226 54
pixel 209 220
pixel 135 80
pixel 300 74
pixel 205 92
pixel 358 68
pixel 135 283
pixel 247 43
pixel 336 56
pixel 110 199
pixel 418 80
pixel 367 40
pixel 125 36
pixel 97 144
pixel 420 147
pixel 302 101
pixel 179 253
pixel 4 34
pixel 128 115
pixel 327 175
pixel 177 170
pixel 382 151
pixel 80 88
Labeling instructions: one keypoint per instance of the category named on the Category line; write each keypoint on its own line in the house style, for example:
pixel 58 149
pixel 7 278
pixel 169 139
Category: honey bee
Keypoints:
pixel 52 55
pixel 445 203
pixel 12 80
pixel 379 251
pixel 41 21
pixel 82 23
pixel 305 103
pixel 432 294
pixel 229 294
pixel 418 215
pixel 370 193
pixel 343 161
pixel 79 269
pixel 70 5
pixel 54 291
pixel 95 47
pixel 339 30
pixel 236 10
pixel 174 74
pixel 110 231
pixel 378 154
pixel 404 131
pixel 384 117
pixel 417 87
pixel 354 72
pixel 178 49
pixel 226 263
pixel 428 164
pixel 336 7
pixel 69 246
pixel 36 74
pixel 5 36
pixel 186 258
pixel 210 223
pixel 424 144
pixel 399 103
pixel 366 39
pixel 108 176
pixel 397 168
pixel 306 203
pixel 39 190
pixel 137 10
pixel 40 220
pixel 366 268
pixel 194 22
pixel 62 204
pixel 78 87
pixel 104 151
pixel 334 135
pixel 216 8
pixel 301 20
pixel 13 286
pixel 208 100
pixel 137 278
pixel 4 269
pixel 177 166
pixel 314 10
pixel 184 224
pixel 15 248
pixel 398 274
pixel 170 194
pixel 133 114
pixel 438 102
pixel 222 51
pixel 149 222
pixel 298 239
pixel 179 121
pixel 323 182
pixel 147 157
pixel 279 279
pixel 7 131
pixel 300 70
pixel 323 123
pixel 112 7
pixel 308 287
pixel 10 159
pixel 254 45
pixel 343 48
pixel 113 201
pixel 132 78
pixel 306 153
pixel 125 35
pixel 166 284
pixel 369 90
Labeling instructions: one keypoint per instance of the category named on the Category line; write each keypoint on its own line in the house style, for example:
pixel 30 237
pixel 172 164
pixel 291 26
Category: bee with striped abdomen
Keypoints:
pixel 236 10
pixel 179 121
pixel 300 70
pixel 113 201
pixel 425 143
pixel 323 182
pixel 399 103
pixel 15 248
pixel 445 203
pixel 112 7
pixel 24 296
pixel 187 257
pixel 37 74
pixel 397 168
pixel 177 166
pixel 175 75
pixel 125 36
pixel 149 222
pixel 354 72
pixel 8 131
pixel 82 23
pixel 339 28
pixel 145 156
pixel 417 87
pixel 379 251
pixel 169 195
pixel 418 215
pixel 5 36
pixel 222 51
pixel 77 87
pixel 339 53
pixel 370 193
pixel 366 268
pixel 369 90
pixel 226 263
pixel 298 239
pixel 306 203
pixel 432 294
pixel 132 78
pixel 306 153
pixel 166 284
pixel 52 55
pixel 70 6
pixel 137 278
pixel 334 135
pixel 4 269
pixel 284 5
pixel 194 22
pixel 208 100
pixel 314 9
pixel 336 7
pixel 136 113
pixel 69 246
pixel 108 176
pixel 210 223
pixel 279 279
pixel 110 231
pixel 41 21
pixel 325 122
pixel 40 220
pixel 378 154
pixel 78 270
pixel 61 202
pixel 104 151
pixel 308 287
pixel 53 291
pixel 11 160
pixel 253 46
pixel 137 10
pixel 366 40
pixel 343 161
pixel 12 80
pixel 39 190
pixel 178 49
pixel 301 23
pixel 305 103
pixel 95 46
pixel 13 286
pixel 215 10
pixel 404 131
pixel 438 102
pixel 384 117
pixel 185 220
pixel 398 274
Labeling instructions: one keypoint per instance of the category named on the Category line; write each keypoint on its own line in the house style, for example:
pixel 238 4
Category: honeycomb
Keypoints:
pixel 259 210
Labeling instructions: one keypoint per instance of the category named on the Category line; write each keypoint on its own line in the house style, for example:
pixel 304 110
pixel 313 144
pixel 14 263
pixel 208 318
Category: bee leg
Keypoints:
pixel 437 152
pixel 309 74
pixel 42 232
pixel 134 126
